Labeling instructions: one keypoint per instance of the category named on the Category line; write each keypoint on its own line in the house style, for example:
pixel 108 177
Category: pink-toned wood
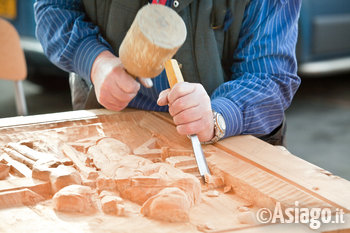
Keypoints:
pixel 16 167
pixel 112 204
pixel 12 62
pixel 18 198
pixel 4 171
pixel 63 176
pixel 79 159
pixel 42 188
pixel 170 204
pixel 246 182
pixel 74 199
pixel 19 157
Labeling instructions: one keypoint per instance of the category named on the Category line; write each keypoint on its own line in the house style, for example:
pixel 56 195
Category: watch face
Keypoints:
pixel 221 122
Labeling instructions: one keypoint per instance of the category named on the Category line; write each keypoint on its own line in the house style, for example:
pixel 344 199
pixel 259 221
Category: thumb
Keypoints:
pixel 163 98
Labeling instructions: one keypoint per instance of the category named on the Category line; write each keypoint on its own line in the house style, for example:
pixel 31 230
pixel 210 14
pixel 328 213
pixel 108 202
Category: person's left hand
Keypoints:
pixel 190 107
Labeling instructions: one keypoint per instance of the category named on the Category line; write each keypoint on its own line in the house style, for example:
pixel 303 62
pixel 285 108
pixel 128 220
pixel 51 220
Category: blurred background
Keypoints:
pixel 318 120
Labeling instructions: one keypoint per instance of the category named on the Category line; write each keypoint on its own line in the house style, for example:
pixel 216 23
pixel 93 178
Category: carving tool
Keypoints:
pixel 174 76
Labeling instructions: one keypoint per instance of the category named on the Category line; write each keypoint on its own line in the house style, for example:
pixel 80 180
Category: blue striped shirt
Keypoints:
pixel 264 77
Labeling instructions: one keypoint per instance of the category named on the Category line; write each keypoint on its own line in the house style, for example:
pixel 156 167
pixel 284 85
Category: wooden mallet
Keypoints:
pixel 155 35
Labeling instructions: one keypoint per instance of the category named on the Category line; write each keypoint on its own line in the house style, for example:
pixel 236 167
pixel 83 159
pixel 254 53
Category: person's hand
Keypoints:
pixel 190 107
pixel 114 87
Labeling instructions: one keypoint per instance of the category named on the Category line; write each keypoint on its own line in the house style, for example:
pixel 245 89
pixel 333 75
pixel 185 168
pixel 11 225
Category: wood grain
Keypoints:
pixel 257 174
pixel 296 171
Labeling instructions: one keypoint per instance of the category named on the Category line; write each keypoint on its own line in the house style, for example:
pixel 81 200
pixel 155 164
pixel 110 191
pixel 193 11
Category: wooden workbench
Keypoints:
pixel 258 174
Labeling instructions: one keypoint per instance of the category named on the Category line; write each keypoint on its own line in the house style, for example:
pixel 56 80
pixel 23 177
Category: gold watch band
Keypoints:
pixel 218 131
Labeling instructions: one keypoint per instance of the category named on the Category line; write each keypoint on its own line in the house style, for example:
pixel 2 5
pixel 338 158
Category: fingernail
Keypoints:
pixel 160 97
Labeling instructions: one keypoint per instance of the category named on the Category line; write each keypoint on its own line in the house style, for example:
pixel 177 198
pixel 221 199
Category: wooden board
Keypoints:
pixel 255 175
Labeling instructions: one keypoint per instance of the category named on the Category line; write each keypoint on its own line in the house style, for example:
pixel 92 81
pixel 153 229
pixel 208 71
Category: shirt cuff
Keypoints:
pixel 231 114
pixel 86 54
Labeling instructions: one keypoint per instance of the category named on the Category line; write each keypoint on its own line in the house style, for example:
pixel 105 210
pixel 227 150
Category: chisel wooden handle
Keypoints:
pixel 174 76
pixel 173 72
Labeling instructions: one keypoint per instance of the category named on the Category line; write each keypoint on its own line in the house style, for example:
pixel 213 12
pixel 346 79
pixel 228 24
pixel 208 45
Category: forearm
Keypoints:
pixel 254 104
pixel 68 40
pixel 264 77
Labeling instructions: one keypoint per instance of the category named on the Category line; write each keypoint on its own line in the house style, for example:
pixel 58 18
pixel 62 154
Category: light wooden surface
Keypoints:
pixel 258 175
pixel 306 176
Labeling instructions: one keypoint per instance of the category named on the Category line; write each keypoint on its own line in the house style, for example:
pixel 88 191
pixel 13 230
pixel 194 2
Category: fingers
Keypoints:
pixel 190 107
pixel 126 83
pixel 190 128
pixel 113 97
pixel 170 96
pixel 114 87
pixel 179 90
pixel 188 116
pixel 185 102
pixel 115 105
pixel 203 128
pixel 195 121
pixel 117 89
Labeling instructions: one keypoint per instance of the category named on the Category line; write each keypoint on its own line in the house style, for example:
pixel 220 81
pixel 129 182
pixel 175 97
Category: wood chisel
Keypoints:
pixel 174 76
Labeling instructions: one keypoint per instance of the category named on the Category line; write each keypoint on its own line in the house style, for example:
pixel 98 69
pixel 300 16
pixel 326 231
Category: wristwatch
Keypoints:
pixel 219 128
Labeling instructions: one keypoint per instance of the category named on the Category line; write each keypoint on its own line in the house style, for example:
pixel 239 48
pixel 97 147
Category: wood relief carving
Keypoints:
pixel 106 168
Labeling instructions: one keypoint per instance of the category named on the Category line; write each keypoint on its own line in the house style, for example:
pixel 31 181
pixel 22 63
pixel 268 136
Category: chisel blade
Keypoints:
pixel 199 155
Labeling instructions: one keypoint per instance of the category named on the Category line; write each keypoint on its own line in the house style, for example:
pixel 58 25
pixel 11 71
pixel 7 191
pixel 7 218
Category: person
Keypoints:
pixel 238 60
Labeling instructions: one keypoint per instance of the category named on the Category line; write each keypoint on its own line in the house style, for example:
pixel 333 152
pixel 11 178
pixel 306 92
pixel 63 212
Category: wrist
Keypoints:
pixel 232 114
pixel 219 128
pixel 209 133
pixel 104 58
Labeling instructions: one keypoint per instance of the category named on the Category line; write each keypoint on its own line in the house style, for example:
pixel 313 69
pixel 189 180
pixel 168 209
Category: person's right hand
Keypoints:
pixel 114 87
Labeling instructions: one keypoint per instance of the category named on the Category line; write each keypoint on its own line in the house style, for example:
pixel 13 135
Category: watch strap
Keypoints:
pixel 218 133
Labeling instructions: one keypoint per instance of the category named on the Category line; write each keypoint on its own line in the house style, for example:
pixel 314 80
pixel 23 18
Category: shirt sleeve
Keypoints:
pixel 68 40
pixel 264 78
